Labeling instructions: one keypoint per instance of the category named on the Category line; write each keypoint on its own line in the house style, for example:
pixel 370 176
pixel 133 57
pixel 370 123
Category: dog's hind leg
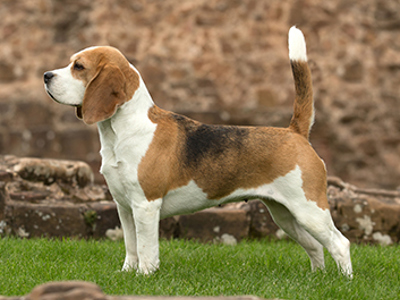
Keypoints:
pixel 286 221
pixel 318 222
pixel 330 237
pixel 298 192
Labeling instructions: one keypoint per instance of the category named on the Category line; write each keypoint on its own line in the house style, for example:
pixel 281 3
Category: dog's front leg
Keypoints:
pixel 147 218
pixel 129 229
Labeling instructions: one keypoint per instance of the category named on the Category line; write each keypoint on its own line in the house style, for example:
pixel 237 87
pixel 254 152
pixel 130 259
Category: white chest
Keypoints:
pixel 124 138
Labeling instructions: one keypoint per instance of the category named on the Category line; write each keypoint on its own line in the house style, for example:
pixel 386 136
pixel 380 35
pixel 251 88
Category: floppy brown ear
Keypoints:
pixel 103 95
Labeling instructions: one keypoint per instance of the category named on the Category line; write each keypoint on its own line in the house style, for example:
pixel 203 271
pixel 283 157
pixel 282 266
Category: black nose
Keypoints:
pixel 47 76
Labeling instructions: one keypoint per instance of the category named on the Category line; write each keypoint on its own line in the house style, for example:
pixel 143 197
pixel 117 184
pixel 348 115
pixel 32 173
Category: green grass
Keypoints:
pixel 263 268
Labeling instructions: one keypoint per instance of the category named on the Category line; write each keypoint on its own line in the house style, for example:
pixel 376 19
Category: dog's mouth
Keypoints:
pixel 51 96
pixel 77 107
pixel 79 111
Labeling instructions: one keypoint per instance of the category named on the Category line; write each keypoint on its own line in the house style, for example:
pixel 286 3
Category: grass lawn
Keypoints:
pixel 269 269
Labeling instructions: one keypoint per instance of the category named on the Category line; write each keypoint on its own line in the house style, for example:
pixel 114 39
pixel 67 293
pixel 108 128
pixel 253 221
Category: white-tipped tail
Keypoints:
pixel 303 114
pixel 297 45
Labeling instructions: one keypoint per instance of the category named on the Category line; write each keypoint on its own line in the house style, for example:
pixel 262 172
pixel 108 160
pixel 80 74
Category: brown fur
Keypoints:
pixel 257 157
pixel 160 169
pixel 109 81
pixel 303 109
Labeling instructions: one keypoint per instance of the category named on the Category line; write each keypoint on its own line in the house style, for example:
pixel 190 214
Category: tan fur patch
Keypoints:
pixel 314 177
pixel 160 169
pixel 221 159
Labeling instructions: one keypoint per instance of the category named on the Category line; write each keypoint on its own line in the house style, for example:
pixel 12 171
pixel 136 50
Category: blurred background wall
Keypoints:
pixel 219 61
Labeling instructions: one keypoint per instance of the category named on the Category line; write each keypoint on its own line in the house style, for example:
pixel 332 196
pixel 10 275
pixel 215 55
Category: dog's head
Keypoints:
pixel 97 81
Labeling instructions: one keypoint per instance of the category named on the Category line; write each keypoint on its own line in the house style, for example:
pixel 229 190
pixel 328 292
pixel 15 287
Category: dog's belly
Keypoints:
pixel 185 200
pixel 191 198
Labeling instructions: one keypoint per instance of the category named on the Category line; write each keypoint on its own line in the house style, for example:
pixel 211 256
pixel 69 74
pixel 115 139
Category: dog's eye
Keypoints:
pixel 78 66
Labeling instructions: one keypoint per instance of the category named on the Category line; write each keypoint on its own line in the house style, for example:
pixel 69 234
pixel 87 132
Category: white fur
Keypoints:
pixel 297 45
pixel 64 88
pixel 122 151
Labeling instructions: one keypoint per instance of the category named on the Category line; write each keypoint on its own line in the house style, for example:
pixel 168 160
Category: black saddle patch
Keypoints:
pixel 212 141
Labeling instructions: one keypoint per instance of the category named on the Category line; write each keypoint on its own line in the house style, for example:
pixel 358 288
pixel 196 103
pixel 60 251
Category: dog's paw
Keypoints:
pixel 128 267
pixel 147 268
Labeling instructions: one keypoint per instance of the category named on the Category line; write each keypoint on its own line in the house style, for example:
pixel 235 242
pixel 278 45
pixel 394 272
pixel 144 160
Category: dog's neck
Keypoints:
pixel 129 126
pixel 133 114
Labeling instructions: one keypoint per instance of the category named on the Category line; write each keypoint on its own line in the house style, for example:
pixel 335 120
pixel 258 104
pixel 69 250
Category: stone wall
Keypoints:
pixel 53 198
pixel 220 61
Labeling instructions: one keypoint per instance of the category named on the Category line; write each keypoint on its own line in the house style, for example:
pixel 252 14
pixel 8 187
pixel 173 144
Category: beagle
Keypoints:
pixel 159 164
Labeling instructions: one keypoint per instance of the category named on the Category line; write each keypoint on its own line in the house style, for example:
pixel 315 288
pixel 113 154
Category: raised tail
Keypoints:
pixel 303 115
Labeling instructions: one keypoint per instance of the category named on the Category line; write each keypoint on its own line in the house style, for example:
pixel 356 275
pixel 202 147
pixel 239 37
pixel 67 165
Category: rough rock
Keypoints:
pixel 365 215
pixel 82 290
pixel 51 170
pixel 169 227
pixel 53 198
pixel 43 180
pixel 215 224
pixel 261 224
pixel 78 290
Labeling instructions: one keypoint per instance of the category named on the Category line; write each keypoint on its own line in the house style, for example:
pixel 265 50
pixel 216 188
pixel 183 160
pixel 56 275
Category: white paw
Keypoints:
pixel 129 266
pixel 147 268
